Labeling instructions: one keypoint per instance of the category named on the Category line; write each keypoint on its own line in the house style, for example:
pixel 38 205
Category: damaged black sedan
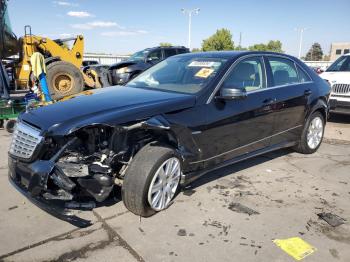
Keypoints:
pixel 185 116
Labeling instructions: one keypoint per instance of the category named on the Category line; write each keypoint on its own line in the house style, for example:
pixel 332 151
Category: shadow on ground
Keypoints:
pixel 339 118
pixel 229 170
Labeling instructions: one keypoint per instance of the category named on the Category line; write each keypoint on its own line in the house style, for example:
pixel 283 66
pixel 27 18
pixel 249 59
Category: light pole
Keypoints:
pixel 301 39
pixel 190 12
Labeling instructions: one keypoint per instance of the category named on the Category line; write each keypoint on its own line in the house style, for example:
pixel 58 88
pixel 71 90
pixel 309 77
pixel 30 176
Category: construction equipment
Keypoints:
pixel 63 63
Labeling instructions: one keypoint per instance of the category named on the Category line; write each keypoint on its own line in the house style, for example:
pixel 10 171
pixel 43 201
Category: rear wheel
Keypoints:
pixel 151 180
pixel 312 134
pixel 64 79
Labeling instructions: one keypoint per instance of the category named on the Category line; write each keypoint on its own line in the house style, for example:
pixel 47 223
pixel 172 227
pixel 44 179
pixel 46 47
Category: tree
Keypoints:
pixel 221 40
pixel 272 46
pixel 315 53
pixel 194 50
pixel 326 58
pixel 165 44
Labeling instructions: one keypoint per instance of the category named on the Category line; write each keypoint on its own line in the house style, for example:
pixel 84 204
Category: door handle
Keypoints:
pixel 269 101
pixel 307 92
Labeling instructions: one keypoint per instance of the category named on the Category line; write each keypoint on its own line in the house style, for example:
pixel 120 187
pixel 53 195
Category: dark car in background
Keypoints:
pixel 178 120
pixel 123 72
pixel 89 63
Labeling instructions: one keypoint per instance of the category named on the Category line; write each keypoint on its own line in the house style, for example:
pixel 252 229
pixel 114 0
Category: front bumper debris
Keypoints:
pixel 31 187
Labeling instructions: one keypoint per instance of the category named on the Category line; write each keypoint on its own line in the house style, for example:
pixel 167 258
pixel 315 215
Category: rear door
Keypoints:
pixel 292 89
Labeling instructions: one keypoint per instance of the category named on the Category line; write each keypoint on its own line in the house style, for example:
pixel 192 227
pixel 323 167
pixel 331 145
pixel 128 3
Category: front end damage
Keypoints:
pixel 78 170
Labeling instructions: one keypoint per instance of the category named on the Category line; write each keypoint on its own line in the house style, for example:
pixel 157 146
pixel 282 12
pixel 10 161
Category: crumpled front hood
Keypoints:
pixel 112 105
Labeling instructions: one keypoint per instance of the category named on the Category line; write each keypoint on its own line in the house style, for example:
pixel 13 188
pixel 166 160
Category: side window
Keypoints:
pixel 283 71
pixel 303 77
pixel 247 74
pixel 169 52
pixel 155 55
pixel 181 51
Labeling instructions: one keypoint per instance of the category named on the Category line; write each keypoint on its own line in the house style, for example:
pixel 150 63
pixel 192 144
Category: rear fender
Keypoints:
pixel 321 105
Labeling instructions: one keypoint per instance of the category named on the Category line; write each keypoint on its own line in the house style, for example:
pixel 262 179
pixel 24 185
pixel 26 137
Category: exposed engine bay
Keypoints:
pixel 91 163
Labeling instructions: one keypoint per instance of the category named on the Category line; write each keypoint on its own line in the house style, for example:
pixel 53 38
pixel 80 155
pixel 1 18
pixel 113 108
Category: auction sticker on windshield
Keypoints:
pixel 204 72
pixel 203 64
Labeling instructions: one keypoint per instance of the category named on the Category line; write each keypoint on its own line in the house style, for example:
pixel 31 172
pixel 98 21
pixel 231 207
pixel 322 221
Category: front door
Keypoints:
pixel 240 126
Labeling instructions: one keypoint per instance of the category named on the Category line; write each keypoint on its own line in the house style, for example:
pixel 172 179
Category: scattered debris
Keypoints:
pixel 332 219
pixel 13 207
pixel 215 224
pixel 280 201
pixel 334 253
pixel 77 205
pixel 189 192
pixel 295 247
pixel 182 232
pixel 219 187
pixel 237 207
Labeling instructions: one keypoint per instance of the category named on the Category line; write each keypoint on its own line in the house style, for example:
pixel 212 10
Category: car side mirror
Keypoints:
pixel 231 93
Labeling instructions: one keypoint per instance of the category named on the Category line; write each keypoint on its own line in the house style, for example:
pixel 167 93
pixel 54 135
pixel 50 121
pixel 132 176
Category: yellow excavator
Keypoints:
pixel 63 63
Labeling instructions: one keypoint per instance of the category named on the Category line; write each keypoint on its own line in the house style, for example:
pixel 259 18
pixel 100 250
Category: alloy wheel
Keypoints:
pixel 315 132
pixel 164 184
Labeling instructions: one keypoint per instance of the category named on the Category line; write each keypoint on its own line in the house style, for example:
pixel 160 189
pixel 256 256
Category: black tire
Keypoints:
pixel 139 175
pixel 1 123
pixel 66 72
pixel 10 125
pixel 302 146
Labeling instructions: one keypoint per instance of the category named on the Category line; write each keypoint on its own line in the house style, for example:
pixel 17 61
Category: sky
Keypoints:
pixel 123 27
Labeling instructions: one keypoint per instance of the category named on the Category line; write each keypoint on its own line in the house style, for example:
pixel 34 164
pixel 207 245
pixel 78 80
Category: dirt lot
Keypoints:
pixel 285 189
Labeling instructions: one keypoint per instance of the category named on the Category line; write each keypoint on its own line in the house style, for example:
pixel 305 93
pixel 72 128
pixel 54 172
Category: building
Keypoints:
pixel 339 49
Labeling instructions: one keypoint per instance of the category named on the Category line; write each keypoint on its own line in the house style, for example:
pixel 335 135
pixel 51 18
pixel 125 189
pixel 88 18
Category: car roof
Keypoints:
pixel 232 54
pixel 162 47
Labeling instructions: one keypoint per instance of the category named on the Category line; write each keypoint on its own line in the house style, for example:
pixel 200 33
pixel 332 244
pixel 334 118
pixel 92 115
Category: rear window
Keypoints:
pixel 283 71
pixel 169 52
pixel 182 51
pixel 303 77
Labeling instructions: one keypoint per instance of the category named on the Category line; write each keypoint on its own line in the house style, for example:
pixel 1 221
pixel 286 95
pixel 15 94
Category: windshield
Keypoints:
pixel 184 74
pixel 138 56
pixel 341 64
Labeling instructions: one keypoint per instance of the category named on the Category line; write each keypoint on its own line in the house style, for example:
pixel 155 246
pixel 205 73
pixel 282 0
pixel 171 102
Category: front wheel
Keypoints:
pixel 312 134
pixel 151 181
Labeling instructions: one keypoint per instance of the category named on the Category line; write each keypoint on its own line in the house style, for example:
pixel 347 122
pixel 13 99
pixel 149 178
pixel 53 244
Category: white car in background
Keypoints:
pixel 338 76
